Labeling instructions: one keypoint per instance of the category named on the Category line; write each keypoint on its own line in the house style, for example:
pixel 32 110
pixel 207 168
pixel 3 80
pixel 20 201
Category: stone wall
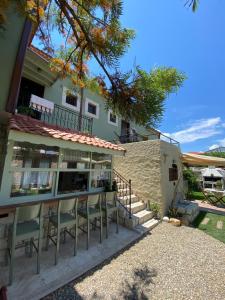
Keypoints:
pixel 147 165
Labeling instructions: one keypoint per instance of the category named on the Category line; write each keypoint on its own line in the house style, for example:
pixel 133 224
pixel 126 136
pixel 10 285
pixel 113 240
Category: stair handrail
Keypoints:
pixel 127 184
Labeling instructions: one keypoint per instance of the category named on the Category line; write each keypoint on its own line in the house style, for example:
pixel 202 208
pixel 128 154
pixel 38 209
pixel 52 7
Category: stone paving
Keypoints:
pixel 171 263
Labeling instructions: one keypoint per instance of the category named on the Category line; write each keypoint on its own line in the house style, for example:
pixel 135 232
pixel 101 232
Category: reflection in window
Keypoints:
pixel 73 159
pixel 26 155
pixel 71 182
pixel 101 161
pixel 100 178
pixel 31 183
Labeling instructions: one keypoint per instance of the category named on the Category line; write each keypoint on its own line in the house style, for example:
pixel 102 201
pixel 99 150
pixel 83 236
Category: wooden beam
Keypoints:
pixel 18 66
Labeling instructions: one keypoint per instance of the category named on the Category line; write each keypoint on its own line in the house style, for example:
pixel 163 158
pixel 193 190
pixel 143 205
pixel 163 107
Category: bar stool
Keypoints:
pixel 92 211
pixel 27 226
pixel 63 221
pixel 110 206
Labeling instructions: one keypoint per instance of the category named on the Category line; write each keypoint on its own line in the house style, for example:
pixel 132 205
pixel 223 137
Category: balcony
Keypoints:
pixel 136 137
pixel 60 116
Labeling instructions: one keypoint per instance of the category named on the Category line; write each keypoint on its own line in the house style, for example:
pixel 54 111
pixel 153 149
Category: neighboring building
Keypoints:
pixel 213 178
pixel 216 150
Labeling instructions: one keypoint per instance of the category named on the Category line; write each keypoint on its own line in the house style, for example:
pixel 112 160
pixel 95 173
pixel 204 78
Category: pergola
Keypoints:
pixel 192 159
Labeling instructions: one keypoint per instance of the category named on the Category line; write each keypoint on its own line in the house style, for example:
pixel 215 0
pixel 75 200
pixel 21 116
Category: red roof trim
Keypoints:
pixel 40 53
pixel 29 125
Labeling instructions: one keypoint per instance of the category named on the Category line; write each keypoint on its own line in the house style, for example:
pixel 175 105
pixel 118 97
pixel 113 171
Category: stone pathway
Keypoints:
pixel 219 225
pixel 205 221
pixel 172 263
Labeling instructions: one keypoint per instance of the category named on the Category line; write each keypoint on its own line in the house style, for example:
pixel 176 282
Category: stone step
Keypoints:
pixel 126 190
pixel 125 199
pixel 143 216
pixel 136 207
pixel 147 226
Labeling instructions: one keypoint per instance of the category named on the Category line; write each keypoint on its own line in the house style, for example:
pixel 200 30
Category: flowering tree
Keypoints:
pixel 91 30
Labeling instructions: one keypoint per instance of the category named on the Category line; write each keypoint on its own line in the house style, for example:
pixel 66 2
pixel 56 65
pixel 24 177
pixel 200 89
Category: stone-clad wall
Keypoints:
pixel 147 165
pixel 141 164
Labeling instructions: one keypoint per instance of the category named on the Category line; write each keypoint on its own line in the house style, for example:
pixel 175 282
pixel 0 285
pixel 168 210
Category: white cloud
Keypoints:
pixel 200 129
pixel 221 143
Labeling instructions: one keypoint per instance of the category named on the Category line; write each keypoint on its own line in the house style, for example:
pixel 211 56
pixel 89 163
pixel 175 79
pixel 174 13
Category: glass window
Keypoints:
pixel 112 118
pixel 101 161
pixel 31 183
pixel 70 182
pixel 26 155
pixel 92 109
pixel 100 178
pixel 71 99
pixel 74 159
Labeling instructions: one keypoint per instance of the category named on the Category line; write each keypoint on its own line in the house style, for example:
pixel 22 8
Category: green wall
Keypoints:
pixel 101 127
pixel 9 42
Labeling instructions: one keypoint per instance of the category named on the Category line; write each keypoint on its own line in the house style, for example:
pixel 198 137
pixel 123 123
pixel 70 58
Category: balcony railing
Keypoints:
pixel 63 117
pixel 136 137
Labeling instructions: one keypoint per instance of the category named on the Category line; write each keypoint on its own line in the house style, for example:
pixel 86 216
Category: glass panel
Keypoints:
pixel 70 182
pixel 112 118
pixel 100 178
pixel 92 108
pixel 26 155
pixel 101 161
pixel 71 99
pixel 31 183
pixel 73 159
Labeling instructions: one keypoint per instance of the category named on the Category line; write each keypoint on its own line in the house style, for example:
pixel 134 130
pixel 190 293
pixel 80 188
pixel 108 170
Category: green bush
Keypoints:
pixel 192 180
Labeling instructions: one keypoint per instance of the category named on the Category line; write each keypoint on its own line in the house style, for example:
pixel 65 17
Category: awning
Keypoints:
pixel 27 129
pixel 202 160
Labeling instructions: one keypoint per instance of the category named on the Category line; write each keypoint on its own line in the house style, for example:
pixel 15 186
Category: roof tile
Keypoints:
pixel 29 125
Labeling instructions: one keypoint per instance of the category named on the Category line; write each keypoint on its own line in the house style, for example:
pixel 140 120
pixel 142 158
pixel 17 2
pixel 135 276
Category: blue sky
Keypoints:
pixel 168 34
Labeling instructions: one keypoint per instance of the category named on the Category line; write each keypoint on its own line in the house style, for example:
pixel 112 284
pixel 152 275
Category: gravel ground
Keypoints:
pixel 171 263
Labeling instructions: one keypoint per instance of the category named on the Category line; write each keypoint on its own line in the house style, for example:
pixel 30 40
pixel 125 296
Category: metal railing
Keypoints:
pixel 124 192
pixel 66 118
pixel 136 137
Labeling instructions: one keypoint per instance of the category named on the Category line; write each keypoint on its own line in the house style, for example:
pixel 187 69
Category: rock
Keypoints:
pixel 175 222
pixel 166 219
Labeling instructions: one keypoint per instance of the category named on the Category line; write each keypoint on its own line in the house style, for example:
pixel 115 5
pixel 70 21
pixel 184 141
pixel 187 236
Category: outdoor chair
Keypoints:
pixel 63 221
pixel 92 211
pixel 27 227
pixel 109 207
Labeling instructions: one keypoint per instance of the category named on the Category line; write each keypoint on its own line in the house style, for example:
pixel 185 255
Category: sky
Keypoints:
pixel 169 34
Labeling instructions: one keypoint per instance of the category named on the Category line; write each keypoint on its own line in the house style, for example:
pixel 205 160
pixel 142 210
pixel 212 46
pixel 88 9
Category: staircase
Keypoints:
pixel 132 212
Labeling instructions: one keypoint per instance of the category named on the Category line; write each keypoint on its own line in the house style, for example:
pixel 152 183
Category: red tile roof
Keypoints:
pixel 39 52
pixel 29 125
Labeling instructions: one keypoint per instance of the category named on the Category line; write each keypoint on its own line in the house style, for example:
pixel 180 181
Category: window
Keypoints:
pixel 71 182
pixel 26 155
pixel 74 159
pixel 31 183
pixel 173 173
pixel 100 178
pixel 71 99
pixel 101 161
pixel 26 178
pixel 112 118
pixel 91 108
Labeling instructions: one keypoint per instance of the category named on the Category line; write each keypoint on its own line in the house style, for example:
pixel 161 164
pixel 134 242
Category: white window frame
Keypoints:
pixel 87 113
pixel 72 107
pixel 109 121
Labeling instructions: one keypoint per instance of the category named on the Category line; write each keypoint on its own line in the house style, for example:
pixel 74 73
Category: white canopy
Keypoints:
pixel 202 160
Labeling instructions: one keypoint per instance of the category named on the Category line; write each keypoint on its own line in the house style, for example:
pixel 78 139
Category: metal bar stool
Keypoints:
pixel 92 211
pixel 27 226
pixel 110 206
pixel 65 220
